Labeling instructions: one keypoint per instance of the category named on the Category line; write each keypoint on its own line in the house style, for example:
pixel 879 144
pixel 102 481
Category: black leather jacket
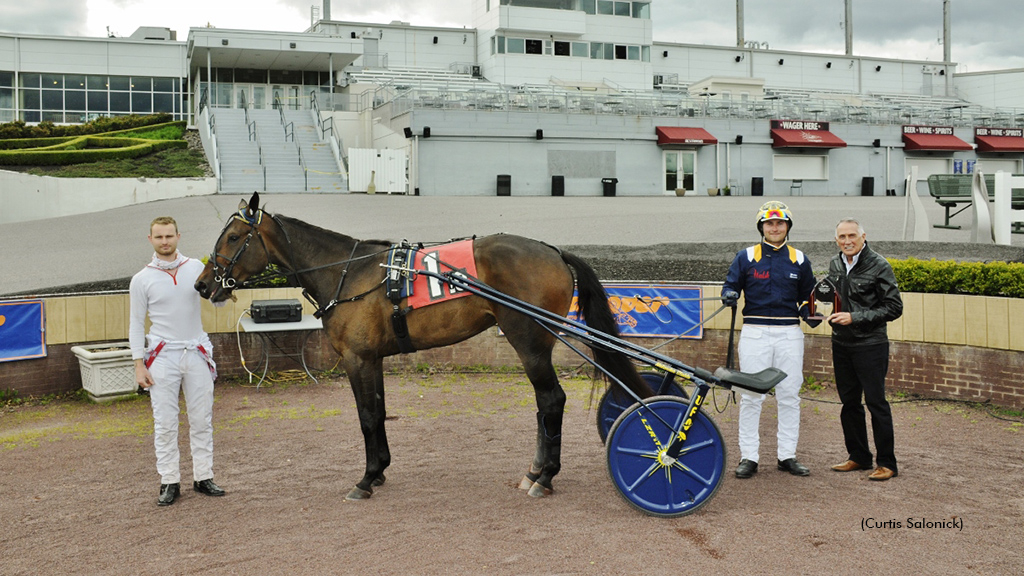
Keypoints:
pixel 870 294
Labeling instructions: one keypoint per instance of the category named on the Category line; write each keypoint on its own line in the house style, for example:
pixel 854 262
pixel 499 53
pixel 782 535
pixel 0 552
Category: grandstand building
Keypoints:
pixel 539 97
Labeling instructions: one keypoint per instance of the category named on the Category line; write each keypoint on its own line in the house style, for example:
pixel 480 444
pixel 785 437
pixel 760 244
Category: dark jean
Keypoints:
pixel 860 372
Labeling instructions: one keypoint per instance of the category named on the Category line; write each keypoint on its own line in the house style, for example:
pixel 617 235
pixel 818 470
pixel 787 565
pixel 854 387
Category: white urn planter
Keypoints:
pixel 108 371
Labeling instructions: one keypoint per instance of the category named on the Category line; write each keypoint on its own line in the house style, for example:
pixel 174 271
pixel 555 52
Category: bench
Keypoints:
pixel 951 190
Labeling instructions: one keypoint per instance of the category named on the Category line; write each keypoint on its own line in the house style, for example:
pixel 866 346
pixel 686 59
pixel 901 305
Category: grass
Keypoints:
pixel 176 163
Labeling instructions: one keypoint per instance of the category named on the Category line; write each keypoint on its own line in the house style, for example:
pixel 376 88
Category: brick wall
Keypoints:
pixel 931 370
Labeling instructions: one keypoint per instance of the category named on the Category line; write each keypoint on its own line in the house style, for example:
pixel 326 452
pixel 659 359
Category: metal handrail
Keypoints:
pixel 289 130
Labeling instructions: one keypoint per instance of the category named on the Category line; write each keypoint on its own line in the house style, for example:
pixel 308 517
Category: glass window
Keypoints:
pixel 285 77
pixel 224 75
pixel 562 49
pixel 516 46
pixel 6 78
pixel 6 97
pixel 96 82
pixel 633 52
pixel 597 51
pixel 249 76
pixel 142 103
pixel 494 45
pixel 29 80
pixel 120 102
pixel 501 44
pixel 96 101
pixel 642 10
pixel 163 102
pixel 311 78
pixel 53 81
pixel 52 116
pixel 74 100
pixel 589 6
pixel 534 47
pixel 30 99
pixel 581 49
pixel 6 115
pixel 120 83
pixel 74 82
pixel 620 52
pixel 547 47
pixel 622 8
pixel 30 116
pixel 605 7
pixel 163 84
pixel 646 54
pixel 142 83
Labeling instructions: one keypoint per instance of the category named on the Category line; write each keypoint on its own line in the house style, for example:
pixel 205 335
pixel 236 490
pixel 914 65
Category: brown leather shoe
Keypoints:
pixel 848 466
pixel 881 473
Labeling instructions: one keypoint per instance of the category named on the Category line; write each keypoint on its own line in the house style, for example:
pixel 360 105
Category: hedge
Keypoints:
pixel 18 128
pixel 88 149
pixel 951 277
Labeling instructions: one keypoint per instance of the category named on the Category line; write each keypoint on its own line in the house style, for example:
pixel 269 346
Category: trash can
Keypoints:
pixel 558 185
pixel 609 185
pixel 757 186
pixel 867 186
pixel 504 184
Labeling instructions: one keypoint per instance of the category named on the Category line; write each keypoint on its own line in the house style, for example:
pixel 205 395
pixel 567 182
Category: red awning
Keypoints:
pixel 999 143
pixel 934 142
pixel 684 135
pixel 805 139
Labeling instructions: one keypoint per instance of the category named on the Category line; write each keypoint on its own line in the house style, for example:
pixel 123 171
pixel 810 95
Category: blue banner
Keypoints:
pixel 654 310
pixel 22 330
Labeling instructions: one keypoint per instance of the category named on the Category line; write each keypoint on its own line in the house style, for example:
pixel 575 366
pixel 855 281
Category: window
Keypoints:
pixel 605 7
pixel 645 53
pixel 163 103
pixel 53 100
pixel 501 44
pixel 620 52
pixel 96 82
pixel 589 6
pixel 642 10
pixel 581 49
pixel 120 83
pixel 534 47
pixel 163 84
pixel 6 78
pixel 622 8
pixel 142 102
pixel 30 98
pixel 30 80
pixel 120 103
pixel 74 82
pixel 799 167
pixel 516 46
pixel 563 49
pixel 633 52
pixel 96 102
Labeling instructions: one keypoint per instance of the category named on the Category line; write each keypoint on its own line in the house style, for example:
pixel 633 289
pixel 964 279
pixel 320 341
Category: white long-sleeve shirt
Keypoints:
pixel 172 304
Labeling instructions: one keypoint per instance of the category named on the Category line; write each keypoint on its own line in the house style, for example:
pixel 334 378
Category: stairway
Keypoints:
pixel 274 153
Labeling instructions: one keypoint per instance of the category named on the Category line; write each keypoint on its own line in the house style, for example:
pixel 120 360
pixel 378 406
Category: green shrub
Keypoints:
pixel 18 129
pixel 949 277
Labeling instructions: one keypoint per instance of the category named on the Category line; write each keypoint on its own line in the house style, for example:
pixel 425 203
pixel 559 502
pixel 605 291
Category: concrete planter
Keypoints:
pixel 108 371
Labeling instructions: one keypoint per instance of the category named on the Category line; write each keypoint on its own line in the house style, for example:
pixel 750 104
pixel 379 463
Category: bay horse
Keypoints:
pixel 345 278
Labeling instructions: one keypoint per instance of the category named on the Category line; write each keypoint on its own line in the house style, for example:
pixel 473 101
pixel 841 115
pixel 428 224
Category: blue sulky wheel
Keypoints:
pixel 615 401
pixel 643 473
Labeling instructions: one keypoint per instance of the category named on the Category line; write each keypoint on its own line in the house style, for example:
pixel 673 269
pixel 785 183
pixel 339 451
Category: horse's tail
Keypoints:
pixel 593 306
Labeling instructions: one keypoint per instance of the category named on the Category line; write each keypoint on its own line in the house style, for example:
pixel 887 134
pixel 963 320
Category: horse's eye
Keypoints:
pixel 233 238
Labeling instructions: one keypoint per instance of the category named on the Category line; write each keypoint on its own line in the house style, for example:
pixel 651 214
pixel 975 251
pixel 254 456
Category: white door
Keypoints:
pixel 925 168
pixel 680 170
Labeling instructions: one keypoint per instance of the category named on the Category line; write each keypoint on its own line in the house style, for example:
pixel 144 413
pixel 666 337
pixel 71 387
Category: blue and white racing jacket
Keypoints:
pixel 776 284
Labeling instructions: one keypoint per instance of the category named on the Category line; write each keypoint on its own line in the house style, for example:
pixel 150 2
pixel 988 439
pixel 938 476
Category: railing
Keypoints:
pixel 289 131
pixel 336 146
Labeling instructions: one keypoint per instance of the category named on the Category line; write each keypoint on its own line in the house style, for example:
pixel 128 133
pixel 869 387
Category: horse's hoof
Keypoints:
pixel 358 493
pixel 379 480
pixel 527 482
pixel 539 491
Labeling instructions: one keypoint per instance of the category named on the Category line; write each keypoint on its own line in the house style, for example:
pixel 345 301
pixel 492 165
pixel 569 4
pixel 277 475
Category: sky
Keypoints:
pixel 985 32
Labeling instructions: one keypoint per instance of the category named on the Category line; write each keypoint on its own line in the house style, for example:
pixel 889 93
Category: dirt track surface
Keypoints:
pixel 78 492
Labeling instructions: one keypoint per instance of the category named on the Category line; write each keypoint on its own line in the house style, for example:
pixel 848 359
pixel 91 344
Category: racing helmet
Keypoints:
pixel 774 210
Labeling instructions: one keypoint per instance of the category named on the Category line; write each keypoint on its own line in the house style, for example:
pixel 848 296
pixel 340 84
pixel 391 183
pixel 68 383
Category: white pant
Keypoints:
pixel 175 371
pixel 779 347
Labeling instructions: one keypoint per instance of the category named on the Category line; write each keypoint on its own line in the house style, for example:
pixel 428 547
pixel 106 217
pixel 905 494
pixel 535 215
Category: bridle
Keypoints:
pixel 222 275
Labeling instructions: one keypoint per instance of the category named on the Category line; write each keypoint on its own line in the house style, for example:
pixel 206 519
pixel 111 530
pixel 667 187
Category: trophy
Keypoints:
pixel 825 294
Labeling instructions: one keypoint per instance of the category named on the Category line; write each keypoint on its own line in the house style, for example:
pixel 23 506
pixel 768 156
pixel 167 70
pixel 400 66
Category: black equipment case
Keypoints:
pixel 268 311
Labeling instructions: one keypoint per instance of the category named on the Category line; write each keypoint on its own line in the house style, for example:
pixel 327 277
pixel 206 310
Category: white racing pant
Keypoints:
pixel 175 371
pixel 763 347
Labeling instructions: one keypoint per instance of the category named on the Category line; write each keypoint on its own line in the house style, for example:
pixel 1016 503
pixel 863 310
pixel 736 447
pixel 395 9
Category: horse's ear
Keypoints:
pixel 254 202
pixel 242 205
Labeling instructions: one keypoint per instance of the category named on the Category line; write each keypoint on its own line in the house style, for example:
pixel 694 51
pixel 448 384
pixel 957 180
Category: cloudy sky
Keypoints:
pixel 985 32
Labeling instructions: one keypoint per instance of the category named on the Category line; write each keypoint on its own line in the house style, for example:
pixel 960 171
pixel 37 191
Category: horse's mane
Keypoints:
pixel 324 237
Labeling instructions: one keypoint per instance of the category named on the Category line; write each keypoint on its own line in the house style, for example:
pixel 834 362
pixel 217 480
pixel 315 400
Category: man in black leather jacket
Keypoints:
pixel 869 298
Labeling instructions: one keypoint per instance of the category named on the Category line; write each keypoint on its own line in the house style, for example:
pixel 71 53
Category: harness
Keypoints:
pixel 398 283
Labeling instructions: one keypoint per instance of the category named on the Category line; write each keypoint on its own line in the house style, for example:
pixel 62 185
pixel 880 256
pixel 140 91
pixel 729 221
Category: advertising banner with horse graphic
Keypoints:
pixel 654 310
pixel 22 330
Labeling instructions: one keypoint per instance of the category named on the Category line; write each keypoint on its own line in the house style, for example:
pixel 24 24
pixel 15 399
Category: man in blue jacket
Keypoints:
pixel 776 280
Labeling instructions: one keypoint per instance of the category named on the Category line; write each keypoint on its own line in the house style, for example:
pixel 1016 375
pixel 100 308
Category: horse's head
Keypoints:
pixel 234 258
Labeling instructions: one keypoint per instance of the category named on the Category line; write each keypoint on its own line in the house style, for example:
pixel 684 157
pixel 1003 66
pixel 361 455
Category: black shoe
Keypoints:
pixel 746 469
pixel 208 487
pixel 793 467
pixel 168 494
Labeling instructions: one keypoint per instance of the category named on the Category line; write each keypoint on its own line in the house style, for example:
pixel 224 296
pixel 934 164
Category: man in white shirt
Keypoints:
pixel 176 356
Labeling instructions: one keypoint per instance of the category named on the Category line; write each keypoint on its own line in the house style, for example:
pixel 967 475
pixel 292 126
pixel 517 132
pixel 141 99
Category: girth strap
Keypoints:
pixel 397 277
